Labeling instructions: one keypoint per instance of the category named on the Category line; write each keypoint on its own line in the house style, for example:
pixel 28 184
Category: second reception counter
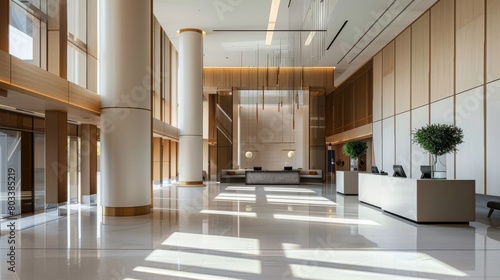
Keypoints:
pixel 420 200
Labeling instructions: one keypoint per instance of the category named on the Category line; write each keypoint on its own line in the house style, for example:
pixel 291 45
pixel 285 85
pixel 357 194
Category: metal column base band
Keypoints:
pixel 191 184
pixel 125 211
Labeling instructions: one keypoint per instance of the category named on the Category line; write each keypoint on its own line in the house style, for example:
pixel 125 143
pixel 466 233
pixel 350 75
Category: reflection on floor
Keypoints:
pixel 230 231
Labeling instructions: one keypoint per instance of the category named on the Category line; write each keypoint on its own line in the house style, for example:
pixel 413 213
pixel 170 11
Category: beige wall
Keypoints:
pixel 446 72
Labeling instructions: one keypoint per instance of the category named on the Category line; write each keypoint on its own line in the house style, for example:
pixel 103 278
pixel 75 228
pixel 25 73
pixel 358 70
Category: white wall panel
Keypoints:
pixel 419 118
pixel 388 144
pixel 492 138
pixel 442 112
pixel 470 154
pixel 403 142
pixel 377 144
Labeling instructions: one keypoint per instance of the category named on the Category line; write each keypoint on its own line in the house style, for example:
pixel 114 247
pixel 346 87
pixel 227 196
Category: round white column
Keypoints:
pixel 125 75
pixel 190 107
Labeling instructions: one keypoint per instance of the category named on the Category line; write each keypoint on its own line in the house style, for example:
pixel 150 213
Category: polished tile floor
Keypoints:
pixel 231 231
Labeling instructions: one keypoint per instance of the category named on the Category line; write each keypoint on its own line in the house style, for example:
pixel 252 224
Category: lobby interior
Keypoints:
pixel 118 119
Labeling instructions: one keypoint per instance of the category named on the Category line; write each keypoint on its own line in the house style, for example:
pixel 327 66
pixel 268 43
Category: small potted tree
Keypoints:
pixel 438 140
pixel 354 149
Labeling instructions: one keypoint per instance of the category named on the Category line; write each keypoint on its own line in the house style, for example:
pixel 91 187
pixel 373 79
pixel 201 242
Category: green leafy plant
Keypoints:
pixel 438 139
pixel 354 149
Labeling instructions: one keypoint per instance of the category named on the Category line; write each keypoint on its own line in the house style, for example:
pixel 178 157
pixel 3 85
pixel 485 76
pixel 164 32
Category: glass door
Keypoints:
pixel 10 173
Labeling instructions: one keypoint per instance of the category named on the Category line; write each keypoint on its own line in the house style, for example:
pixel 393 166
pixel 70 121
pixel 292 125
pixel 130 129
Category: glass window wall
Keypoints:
pixel 10 173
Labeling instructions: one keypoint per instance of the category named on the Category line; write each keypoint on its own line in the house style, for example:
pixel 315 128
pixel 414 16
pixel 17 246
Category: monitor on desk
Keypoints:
pixel 375 169
pixel 426 171
pixel 257 168
pixel 288 168
pixel 398 171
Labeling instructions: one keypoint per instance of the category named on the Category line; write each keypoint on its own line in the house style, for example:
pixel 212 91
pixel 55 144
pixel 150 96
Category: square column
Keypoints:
pixel 88 163
pixel 56 158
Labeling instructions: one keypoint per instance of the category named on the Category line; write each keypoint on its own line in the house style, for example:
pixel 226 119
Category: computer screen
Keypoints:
pixel 398 171
pixel 374 169
pixel 426 171
pixel 287 168
pixel 257 168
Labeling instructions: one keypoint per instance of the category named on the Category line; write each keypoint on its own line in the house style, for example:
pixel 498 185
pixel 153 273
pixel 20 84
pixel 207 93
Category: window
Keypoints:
pixel 27 32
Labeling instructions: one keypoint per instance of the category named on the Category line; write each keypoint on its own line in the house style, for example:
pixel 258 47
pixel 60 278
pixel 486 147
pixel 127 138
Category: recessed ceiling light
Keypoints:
pixel 273 15
pixel 309 38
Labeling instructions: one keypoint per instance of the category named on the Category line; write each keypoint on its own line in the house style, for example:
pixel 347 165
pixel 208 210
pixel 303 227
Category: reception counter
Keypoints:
pixel 272 177
pixel 422 201
pixel 346 182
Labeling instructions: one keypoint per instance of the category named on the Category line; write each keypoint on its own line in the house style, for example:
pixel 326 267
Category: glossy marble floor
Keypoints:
pixel 228 231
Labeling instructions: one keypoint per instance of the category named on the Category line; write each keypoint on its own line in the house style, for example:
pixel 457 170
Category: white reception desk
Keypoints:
pixel 422 201
pixel 346 182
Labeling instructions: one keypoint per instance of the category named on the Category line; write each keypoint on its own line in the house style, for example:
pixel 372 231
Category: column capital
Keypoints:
pixel 190 30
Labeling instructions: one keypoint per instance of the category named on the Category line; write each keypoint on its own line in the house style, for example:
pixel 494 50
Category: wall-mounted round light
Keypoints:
pixel 291 154
pixel 248 154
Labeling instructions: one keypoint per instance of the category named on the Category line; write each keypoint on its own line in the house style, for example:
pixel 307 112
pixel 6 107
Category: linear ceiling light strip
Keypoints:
pixel 273 15
pixel 336 35
pixel 381 31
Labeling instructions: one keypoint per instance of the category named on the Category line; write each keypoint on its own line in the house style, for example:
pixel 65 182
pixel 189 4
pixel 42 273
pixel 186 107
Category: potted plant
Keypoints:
pixel 354 149
pixel 438 140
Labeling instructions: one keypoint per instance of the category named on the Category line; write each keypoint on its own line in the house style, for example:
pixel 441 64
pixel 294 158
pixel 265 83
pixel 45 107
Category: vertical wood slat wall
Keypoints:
pixel 349 106
pixel 454 78
pixel 268 77
pixel 4 26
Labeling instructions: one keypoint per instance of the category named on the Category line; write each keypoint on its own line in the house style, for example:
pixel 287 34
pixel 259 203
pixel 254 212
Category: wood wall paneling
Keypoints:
pixel 420 61
pixel 492 40
pixel 173 160
pixel 348 107
pixel 249 78
pixel 330 77
pixel 56 157
pixel 156 159
pixel 442 49
pixel 166 159
pixel 329 129
pixel 377 87
pixel 388 81
pixel 220 78
pixel 469 44
pixel 271 77
pixel 403 73
pixel 38 80
pixel 369 107
pixel 208 77
pixel 361 100
pixel 84 98
pixel 4 67
pixel 88 159
pixel 338 107
pixel 4 26
pixel 53 52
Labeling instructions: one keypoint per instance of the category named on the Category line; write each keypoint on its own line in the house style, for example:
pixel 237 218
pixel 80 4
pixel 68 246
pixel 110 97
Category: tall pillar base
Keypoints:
pixel 125 211
pixel 191 184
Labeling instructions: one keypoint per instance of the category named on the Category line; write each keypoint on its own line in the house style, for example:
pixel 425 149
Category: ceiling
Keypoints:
pixel 371 24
